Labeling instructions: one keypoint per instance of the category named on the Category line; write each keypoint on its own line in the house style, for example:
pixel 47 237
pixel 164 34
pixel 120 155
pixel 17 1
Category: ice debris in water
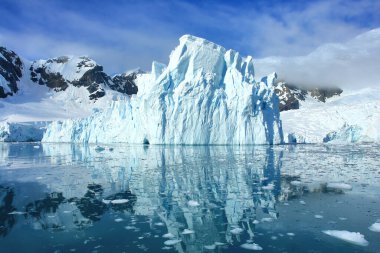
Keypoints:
pixel 339 186
pixel 119 201
pixel 351 237
pixel 187 231
pixel 16 213
pixel 268 187
pixel 115 201
pixel 295 183
pixel 171 242
pixel 266 219
pixel 375 227
pixel 318 216
pixel 168 235
pixel 192 203
pixel 251 246
pixel 236 231
pixel 210 247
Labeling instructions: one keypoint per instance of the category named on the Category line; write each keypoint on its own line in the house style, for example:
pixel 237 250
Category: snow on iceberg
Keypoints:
pixel 351 237
pixel 206 95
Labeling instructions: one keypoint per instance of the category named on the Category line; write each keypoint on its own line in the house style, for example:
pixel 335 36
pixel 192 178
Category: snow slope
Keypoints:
pixel 206 95
pixel 352 117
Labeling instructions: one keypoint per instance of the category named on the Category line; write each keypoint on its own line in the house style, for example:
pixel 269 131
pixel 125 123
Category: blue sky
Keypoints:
pixel 122 35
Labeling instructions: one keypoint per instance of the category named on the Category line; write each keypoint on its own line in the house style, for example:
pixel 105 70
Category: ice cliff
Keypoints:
pixel 206 95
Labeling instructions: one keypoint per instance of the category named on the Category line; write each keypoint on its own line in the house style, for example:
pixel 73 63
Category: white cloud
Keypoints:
pixel 353 64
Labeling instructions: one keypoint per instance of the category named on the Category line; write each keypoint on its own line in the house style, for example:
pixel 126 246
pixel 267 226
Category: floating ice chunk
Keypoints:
pixel 290 234
pixel 342 218
pixel 36 147
pixel 236 231
pixel 172 242
pixel 295 183
pixel 351 237
pixel 192 203
pixel 266 219
pixel 302 202
pixel 16 213
pixel 339 186
pixel 375 227
pixel 268 187
pixel 118 220
pixel 119 201
pixel 187 232
pixel 251 246
pixel 161 224
pixel 166 248
pixel 219 243
pixel 129 227
pixel 168 235
pixel 255 222
pixel 318 216
pixel 210 247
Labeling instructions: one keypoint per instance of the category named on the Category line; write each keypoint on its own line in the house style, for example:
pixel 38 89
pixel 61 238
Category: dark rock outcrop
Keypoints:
pixel 125 83
pixel 92 79
pixel 11 70
pixel 291 95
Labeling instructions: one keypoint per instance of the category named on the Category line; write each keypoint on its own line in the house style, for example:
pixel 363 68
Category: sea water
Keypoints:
pixel 118 198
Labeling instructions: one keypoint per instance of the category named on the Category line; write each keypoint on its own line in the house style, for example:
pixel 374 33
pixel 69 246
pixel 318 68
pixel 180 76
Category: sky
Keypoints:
pixel 123 35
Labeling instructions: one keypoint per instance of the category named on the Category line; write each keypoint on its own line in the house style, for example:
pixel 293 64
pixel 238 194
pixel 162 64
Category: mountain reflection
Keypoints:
pixel 7 221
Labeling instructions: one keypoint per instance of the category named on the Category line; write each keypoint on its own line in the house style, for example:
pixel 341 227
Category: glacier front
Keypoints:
pixel 206 95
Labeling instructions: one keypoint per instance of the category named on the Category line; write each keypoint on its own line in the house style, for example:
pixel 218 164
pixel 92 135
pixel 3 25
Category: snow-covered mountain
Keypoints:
pixel 57 88
pixel 206 95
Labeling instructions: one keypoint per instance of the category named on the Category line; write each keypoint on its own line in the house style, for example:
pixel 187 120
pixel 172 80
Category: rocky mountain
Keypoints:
pixel 125 83
pixel 291 96
pixel 10 72
pixel 60 73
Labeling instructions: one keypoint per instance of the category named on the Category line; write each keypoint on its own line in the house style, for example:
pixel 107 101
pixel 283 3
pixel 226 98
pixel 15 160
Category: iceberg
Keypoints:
pixel 205 95
pixel 22 131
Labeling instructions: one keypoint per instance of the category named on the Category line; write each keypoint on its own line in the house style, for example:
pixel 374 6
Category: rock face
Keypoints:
pixel 10 72
pixel 125 83
pixel 290 95
pixel 206 95
pixel 59 73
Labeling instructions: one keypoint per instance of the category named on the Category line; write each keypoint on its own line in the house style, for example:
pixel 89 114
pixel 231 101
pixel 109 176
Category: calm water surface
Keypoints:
pixel 68 198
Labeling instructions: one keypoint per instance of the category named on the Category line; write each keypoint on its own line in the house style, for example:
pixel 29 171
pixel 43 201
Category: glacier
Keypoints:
pixel 352 117
pixel 205 95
